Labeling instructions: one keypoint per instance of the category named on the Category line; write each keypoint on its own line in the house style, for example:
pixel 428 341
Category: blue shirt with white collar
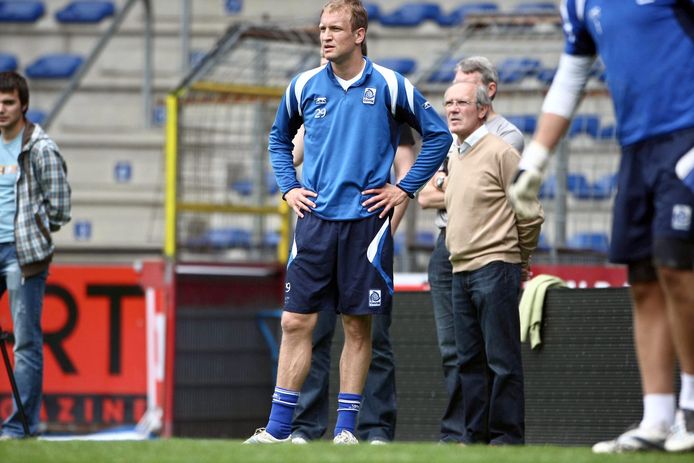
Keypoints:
pixel 351 137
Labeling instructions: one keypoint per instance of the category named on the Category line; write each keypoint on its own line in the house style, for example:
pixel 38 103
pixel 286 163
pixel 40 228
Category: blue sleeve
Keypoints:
pixel 287 122
pixel 578 41
pixel 416 111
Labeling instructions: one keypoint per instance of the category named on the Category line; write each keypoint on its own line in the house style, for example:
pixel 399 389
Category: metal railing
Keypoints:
pixel 76 79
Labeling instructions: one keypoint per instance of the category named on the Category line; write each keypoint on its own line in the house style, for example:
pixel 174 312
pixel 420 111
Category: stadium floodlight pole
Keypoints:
pixel 10 374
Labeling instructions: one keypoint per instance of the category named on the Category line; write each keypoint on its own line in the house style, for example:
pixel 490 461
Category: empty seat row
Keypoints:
pixel 511 71
pixel 245 186
pixel 75 12
pixel 580 187
pixel 50 66
pixel 580 241
pixel 589 241
pixel 581 124
pixel 231 237
pixel 413 14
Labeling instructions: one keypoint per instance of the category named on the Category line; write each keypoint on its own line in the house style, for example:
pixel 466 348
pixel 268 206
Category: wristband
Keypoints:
pixel 535 157
pixel 410 195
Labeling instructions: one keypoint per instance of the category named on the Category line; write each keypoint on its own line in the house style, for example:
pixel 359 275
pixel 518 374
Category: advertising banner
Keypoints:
pixel 95 348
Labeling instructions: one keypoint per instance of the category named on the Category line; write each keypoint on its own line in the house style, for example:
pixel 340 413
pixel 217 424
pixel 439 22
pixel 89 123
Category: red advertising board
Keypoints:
pixel 95 362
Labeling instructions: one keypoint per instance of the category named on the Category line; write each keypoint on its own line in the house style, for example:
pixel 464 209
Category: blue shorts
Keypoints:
pixel 345 266
pixel 652 204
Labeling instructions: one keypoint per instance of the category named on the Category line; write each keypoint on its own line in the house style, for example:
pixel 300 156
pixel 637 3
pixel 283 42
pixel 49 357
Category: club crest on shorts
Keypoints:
pixel 374 298
pixel 681 217
pixel 369 96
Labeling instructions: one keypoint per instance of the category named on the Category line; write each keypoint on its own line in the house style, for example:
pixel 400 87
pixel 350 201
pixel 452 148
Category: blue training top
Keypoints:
pixel 351 137
pixel 647 47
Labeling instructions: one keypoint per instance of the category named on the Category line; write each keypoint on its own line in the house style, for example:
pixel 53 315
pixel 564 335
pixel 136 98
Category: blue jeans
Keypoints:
pixel 26 303
pixel 487 332
pixel 440 281
pixel 378 410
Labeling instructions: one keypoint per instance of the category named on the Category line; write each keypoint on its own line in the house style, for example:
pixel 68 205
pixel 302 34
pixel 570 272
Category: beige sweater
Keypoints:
pixel 482 227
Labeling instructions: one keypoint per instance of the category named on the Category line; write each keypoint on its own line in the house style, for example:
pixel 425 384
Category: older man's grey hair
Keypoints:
pixel 482 65
pixel 483 98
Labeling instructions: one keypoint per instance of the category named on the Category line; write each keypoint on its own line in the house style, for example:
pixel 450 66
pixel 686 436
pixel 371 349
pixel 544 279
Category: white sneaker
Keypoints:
pixel 345 438
pixel 682 437
pixel 261 436
pixel 299 439
pixel 634 440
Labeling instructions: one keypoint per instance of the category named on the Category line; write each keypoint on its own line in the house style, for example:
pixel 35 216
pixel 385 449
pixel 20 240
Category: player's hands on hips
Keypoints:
pixel 299 199
pixel 526 184
pixel 386 197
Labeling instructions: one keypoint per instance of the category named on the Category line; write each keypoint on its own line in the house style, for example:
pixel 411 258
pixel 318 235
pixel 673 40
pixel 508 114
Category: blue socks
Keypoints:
pixel 347 410
pixel 283 405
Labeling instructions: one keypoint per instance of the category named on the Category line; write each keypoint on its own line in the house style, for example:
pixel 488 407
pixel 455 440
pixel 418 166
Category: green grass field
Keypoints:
pixel 219 451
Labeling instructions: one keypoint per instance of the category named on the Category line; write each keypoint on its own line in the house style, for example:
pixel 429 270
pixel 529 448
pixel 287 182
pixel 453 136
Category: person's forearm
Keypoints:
pixel 431 197
pixel 550 129
pixel 398 214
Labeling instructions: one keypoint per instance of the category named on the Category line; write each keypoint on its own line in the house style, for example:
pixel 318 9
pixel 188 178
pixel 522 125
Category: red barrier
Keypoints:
pixel 94 346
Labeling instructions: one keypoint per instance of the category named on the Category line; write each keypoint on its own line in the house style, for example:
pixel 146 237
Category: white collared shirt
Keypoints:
pixel 472 139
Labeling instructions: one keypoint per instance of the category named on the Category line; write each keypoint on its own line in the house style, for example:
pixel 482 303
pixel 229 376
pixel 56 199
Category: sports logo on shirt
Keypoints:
pixel 374 298
pixel 369 96
pixel 426 105
pixel 320 113
pixel 320 100
pixel 594 15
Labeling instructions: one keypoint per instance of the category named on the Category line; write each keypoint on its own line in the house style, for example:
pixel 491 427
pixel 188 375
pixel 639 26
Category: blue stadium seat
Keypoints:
pixel 605 186
pixel 373 11
pixel 536 7
pixel 8 62
pixel 36 116
pixel 607 132
pixel 579 186
pixel 233 6
pixel 398 243
pixel 222 238
pixel 411 14
pixel 513 70
pixel 54 66
pixel 271 239
pixel 425 238
pixel 589 241
pixel 526 123
pixel 510 75
pixel 586 124
pixel 21 11
pixel 445 73
pixel 543 244
pixel 546 75
pixel 90 12
pixel 244 186
pixel 548 189
pixel 402 65
pixel 457 15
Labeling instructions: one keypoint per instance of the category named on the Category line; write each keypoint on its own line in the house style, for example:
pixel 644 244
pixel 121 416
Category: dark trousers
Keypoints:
pixel 440 280
pixel 487 333
pixel 377 416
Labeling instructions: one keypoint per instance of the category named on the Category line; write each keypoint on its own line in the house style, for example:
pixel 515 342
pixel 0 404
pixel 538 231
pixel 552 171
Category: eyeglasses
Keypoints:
pixel 450 104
